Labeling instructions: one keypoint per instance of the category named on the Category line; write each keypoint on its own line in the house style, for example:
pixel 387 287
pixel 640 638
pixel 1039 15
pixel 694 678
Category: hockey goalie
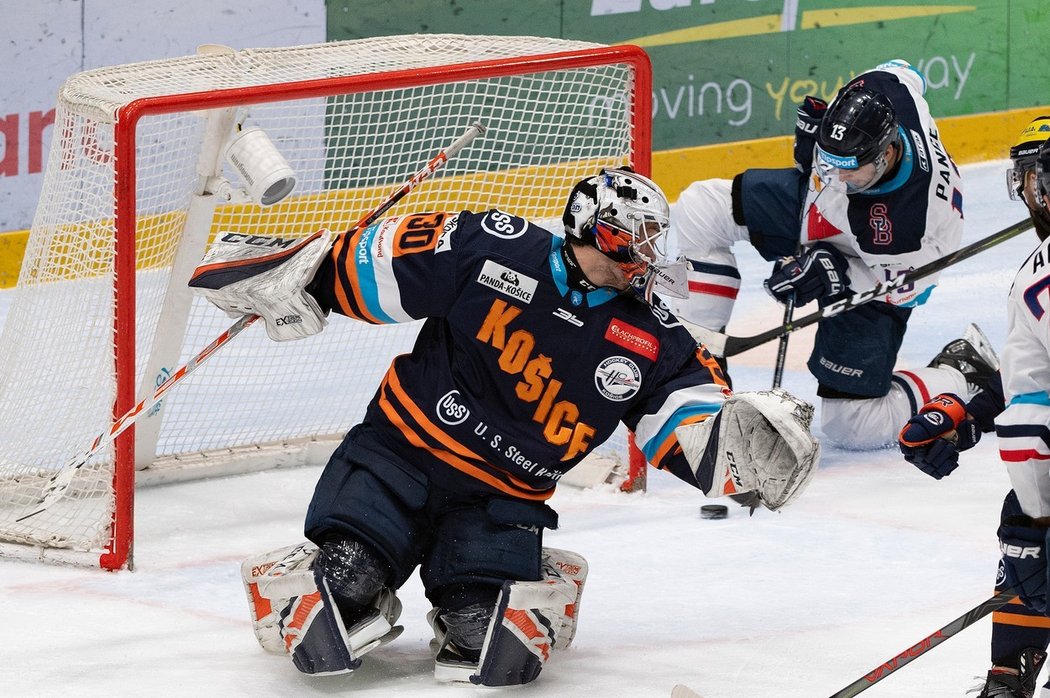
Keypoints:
pixel 534 349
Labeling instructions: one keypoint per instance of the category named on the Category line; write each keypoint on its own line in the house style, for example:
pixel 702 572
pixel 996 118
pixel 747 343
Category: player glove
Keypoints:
pixel 1023 544
pixel 819 272
pixel 932 439
pixel 807 122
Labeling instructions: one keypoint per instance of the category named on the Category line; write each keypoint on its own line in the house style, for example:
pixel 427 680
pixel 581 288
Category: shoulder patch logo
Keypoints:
pixel 444 243
pixel 618 378
pixel 633 339
pixel 503 225
pixel 507 281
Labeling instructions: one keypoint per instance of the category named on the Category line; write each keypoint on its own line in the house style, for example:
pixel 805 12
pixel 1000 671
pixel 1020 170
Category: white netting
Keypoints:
pixel 349 149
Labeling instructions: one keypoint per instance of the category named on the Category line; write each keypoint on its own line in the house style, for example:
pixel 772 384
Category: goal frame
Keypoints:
pixel 122 532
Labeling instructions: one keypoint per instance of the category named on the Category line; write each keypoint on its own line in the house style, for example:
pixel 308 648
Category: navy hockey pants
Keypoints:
pixel 459 540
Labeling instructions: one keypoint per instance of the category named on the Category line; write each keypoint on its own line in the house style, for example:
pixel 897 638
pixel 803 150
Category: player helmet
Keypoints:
pixel 1042 174
pixel 626 216
pixel 1024 153
pixel 855 133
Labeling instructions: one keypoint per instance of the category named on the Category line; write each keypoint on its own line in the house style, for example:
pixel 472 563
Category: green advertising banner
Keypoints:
pixel 733 70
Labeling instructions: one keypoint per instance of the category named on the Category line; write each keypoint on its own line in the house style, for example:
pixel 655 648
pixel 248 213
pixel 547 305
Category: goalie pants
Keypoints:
pixel 466 544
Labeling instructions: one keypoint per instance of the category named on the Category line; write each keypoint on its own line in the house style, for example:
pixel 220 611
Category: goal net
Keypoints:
pixel 137 183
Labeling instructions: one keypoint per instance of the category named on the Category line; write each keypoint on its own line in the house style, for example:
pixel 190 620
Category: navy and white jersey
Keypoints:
pixel 1024 428
pixel 905 222
pixel 515 375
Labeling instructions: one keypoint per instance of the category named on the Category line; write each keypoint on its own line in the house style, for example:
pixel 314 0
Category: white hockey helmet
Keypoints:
pixel 626 216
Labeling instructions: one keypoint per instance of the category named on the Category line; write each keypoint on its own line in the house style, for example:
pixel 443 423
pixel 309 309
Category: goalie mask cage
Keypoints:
pixel 134 190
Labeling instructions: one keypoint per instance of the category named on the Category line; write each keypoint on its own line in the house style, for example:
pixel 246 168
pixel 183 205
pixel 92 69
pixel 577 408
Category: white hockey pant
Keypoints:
pixel 876 422
pixel 702 221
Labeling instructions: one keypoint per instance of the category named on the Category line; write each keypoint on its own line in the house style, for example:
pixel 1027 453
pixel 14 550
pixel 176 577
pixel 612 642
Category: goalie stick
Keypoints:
pixel 925 645
pixel 721 344
pixel 60 481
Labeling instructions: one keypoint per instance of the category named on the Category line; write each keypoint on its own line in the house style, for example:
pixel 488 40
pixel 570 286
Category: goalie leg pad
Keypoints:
pixel 529 620
pixel 758 442
pixel 295 612
pixel 266 276
pixel 526 626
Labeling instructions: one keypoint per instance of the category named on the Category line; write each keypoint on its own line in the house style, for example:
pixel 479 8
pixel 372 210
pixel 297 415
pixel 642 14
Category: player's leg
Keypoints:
pixel 500 604
pixel 366 517
pixel 759 206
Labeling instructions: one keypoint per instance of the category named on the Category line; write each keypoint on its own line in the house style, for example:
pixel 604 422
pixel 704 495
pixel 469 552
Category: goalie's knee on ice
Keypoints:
pixel 324 608
pixel 508 643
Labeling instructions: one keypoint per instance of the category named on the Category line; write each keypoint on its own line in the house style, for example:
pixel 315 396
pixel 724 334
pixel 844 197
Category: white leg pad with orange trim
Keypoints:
pixel 293 613
pixel 530 620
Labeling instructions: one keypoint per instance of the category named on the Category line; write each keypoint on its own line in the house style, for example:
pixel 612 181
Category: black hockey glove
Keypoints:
pixel 1023 544
pixel 807 122
pixel 932 439
pixel 819 272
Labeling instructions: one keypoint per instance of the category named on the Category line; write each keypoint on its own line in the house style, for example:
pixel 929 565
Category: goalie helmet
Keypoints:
pixel 1023 155
pixel 626 216
pixel 855 133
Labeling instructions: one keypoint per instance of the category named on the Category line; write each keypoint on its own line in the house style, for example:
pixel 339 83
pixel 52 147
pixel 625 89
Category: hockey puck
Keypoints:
pixel 714 511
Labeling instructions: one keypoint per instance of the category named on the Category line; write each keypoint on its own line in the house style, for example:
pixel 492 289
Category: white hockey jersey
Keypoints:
pixel 914 218
pixel 1024 428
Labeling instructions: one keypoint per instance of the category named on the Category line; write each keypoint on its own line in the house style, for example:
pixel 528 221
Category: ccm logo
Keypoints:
pixel 1019 552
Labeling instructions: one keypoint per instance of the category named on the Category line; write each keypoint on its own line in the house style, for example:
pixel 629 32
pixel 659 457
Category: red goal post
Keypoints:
pixel 135 186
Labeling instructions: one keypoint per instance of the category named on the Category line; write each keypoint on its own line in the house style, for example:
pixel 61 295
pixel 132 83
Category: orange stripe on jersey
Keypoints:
pixel 340 292
pixel 521 490
pixel 672 440
pixel 708 361
pixel 1007 618
pixel 347 275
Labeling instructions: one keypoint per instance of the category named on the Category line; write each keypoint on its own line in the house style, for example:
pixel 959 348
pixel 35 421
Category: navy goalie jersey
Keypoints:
pixel 515 375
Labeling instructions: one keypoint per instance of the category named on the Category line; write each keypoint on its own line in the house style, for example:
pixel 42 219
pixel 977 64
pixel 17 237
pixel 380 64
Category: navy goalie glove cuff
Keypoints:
pixel 818 272
pixel 932 439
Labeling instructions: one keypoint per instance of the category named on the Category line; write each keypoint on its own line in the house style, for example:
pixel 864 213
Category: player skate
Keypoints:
pixel 1001 682
pixel 971 355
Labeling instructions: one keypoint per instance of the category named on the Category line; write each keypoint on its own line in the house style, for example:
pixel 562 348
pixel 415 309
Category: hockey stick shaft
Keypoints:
pixel 925 645
pixel 722 344
pixel 60 481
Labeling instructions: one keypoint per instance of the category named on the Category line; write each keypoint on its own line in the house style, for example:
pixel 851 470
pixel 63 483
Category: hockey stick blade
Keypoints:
pixel 683 691
pixel 59 482
pixel 721 344
pixel 925 645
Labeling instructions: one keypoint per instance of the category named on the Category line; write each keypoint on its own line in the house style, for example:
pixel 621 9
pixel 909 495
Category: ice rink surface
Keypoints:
pixel 873 558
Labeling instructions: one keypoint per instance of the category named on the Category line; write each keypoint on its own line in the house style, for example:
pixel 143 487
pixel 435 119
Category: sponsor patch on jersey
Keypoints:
pixel 507 281
pixel 920 150
pixel 444 243
pixel 618 378
pixel 503 225
pixel 632 339
pixel 450 410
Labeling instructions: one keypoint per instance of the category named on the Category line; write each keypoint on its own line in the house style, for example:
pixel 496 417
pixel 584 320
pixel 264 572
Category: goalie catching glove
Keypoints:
pixel 758 442
pixel 265 276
